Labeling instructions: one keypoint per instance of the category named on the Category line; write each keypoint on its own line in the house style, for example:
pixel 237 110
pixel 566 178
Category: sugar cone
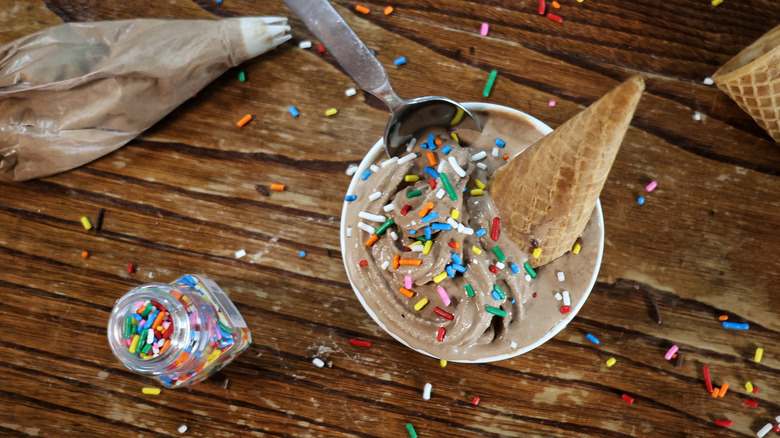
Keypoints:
pixel 548 192
pixel 752 79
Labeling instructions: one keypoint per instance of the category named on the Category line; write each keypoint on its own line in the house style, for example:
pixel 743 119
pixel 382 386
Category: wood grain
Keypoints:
pixel 181 198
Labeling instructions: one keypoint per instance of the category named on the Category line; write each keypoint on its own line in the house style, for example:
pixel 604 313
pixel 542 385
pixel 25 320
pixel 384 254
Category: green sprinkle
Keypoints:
pixel 146 311
pixel 410 428
pixel 421 239
pixel 413 193
pixel 499 291
pixel 494 311
pixel 241 76
pixel 146 349
pixel 382 228
pixel 489 85
pixel 225 328
pixel 134 329
pixel 529 270
pixel 448 186
pixel 469 290
pixel 500 255
pixel 128 327
pixel 142 340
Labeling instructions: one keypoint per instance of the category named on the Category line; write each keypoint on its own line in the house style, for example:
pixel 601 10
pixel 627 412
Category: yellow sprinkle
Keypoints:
pixel 611 361
pixel 759 354
pixel 454 137
pixel 476 249
pixel 480 184
pixel 458 116
pixel 331 112
pixel 151 391
pixel 443 363
pixel 476 192
pixel 455 214
pixel 749 387
pixel 134 343
pixel 415 244
pixel 716 2
pixel 577 248
pixel 427 247
pixel 86 223
pixel 440 277
pixel 580 1
pixel 537 252
pixel 411 178
pixel 420 304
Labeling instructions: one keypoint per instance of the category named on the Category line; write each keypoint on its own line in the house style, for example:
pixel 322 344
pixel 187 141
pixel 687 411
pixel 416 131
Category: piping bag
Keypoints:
pixel 75 92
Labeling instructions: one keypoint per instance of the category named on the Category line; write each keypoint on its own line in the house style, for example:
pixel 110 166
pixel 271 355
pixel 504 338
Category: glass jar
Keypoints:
pixel 178 333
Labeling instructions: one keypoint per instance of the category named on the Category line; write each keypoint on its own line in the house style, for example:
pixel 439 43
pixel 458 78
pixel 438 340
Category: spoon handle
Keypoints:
pixel 350 52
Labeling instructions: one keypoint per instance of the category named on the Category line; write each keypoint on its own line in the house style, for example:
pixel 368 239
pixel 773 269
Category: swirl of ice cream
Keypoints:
pixel 424 252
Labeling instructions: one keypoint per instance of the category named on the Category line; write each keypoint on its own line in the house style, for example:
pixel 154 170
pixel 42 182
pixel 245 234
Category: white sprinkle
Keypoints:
pixel 389 162
pixel 453 223
pixel 372 217
pixel 708 81
pixel 388 208
pixel 697 116
pixel 478 156
pixel 566 298
pixel 500 265
pixel 482 166
pixel 561 276
pixel 385 264
pixel 318 362
pixel 183 427
pixel 411 144
pixel 350 91
pixel 240 253
pixel 760 434
pixel 149 336
pixel 468 231
pixel 440 193
pixel 513 345
pixel 374 196
pixel 456 167
pixel 349 231
pixel 427 392
pixel 527 277
pixel 351 169
pixel 495 152
pixel 777 419
pixel 367 228
pixel 440 167
pixel 461 227
pixel 406 158
pixel 558 296
pixel 394 235
pixel 374 168
pixel 306 44
pixel 417 247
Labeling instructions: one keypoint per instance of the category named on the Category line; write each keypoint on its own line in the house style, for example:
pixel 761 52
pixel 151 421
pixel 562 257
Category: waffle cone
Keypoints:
pixel 548 192
pixel 752 79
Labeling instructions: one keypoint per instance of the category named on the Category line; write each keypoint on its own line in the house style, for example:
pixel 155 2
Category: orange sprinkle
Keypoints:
pixel 406 292
pixel 457 245
pixel 176 294
pixel 84 255
pixel 362 9
pixel 244 120
pixel 723 317
pixel 277 187
pixel 506 156
pixel 428 207
pixel 388 10
pixel 372 240
pixel 723 389
pixel 437 141
pixel 410 262
pixel 431 158
pixel 556 5
pixel 165 346
pixel 396 261
pixel 715 392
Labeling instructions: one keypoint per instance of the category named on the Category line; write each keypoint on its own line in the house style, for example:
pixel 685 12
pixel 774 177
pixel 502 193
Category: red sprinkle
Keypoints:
pixel 725 423
pixel 565 309
pixel 627 399
pixel 534 295
pixel 751 403
pixel 494 231
pixel 432 182
pixel 405 210
pixel 493 269
pixel 443 313
pixel 755 390
pixel 407 249
pixel 130 268
pixel 475 400
pixel 440 334
pixel 363 263
pixel 707 381
pixel 541 7
pixel 359 343
pixel 554 17
pixel 452 245
pixel 320 48
pixel 776 428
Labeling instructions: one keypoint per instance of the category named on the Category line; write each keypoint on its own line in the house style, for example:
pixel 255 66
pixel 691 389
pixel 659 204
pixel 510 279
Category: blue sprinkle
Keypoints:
pixel 735 325
pixel 432 146
pixel 428 233
pixel 429 217
pixel 500 143
pixel 366 174
pixel 441 226
pixel 373 52
pixel 412 231
pixel 457 259
pixel 350 198
pixel 481 232
pixel 459 268
pixel 400 61
pixel 496 296
pixel 640 200
pixel 293 111
pixel 424 146
pixel 431 139
pixel 592 338
pixel 515 268
pixel 446 149
pixel 431 171
pixel 450 271
pixel 302 253
pixel 513 301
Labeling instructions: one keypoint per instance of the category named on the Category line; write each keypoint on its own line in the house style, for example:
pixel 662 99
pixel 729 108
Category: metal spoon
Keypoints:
pixel 407 116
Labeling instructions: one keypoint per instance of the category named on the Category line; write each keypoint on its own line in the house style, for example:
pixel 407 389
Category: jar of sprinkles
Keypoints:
pixel 178 333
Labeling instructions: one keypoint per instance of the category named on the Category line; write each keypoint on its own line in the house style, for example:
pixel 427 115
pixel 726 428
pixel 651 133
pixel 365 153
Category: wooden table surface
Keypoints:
pixel 181 199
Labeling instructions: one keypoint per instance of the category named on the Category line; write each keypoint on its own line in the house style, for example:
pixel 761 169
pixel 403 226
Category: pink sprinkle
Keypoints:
pixel 408 281
pixel 552 103
pixel 484 29
pixel 444 296
pixel 128 341
pixel 650 187
pixel 670 353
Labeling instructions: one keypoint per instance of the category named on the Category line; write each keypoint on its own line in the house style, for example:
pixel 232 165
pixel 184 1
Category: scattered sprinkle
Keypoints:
pixel 708 81
pixel 640 200
pixel 723 318
pixel 244 120
pixel 767 427
pixel 240 253
pixel 400 61
pixel 723 389
pixel 489 84
pixel 759 355
pixel 475 400
pixel 305 44
pixel 735 325
pixel 388 10
pixel 556 5
pixel 725 423
pixel 350 92
pixel 183 428
pixel 277 187
pixel 86 223
pixel 320 48
pixel 716 2
pixel 561 277
pixel 592 338
pixel 84 255
pixel 671 351
pixel 552 103
pixel 318 362
pixel 483 30
pixel 541 7
pixel 749 387
pixel 331 112
pixel 359 343
pixel 362 9
pixel 554 17
pixel 150 391
pixel 350 198
pixel 410 429
pixel 293 111
pixel 707 381
pixel 611 361
pixel 427 391
pixel 650 187
pixel 241 76
pixel 130 268
pixel 697 116
pixel 751 403
pixel 627 398
pixel 302 254
pixel 442 363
